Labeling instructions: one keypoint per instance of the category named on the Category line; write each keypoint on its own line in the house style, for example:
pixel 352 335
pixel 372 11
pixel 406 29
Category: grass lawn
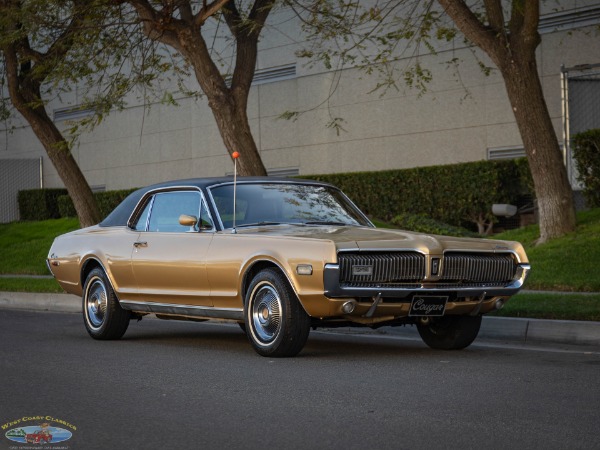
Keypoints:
pixel 24 245
pixel 555 306
pixel 30 285
pixel 568 263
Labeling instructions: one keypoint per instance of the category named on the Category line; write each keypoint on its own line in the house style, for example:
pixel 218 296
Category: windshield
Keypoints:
pixel 276 203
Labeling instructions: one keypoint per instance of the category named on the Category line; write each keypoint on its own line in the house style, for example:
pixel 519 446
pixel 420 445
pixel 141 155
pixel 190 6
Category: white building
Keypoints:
pixel 460 118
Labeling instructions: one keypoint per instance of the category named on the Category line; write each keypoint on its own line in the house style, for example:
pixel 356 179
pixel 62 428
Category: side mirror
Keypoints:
pixel 189 221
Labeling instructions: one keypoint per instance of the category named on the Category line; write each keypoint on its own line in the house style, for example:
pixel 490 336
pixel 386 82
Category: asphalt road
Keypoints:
pixel 183 385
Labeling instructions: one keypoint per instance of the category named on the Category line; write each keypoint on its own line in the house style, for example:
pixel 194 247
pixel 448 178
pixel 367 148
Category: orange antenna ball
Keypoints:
pixel 235 155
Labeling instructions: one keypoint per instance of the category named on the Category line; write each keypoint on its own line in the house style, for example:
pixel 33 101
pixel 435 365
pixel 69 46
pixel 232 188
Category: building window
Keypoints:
pixel 72 113
pixel 496 153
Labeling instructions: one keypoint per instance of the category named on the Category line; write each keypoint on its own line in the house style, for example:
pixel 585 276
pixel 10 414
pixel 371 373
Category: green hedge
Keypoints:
pixel 456 194
pixel 66 207
pixel 107 201
pixel 586 152
pixel 43 204
pixel 39 204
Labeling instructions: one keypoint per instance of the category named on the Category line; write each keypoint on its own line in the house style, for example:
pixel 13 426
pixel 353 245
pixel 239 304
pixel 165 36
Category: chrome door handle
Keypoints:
pixel 139 244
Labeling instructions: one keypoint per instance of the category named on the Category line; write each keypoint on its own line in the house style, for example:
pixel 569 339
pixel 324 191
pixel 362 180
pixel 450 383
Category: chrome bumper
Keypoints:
pixel 333 289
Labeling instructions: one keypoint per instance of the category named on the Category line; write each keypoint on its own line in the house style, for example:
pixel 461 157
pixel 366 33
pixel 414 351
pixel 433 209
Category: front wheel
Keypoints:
pixel 276 323
pixel 102 315
pixel 450 332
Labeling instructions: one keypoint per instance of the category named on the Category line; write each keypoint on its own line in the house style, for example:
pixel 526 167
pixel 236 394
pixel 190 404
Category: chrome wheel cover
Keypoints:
pixel 95 303
pixel 265 313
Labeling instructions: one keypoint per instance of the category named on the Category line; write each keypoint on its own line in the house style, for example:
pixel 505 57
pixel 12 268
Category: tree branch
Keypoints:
pixel 495 15
pixel 185 9
pixel 530 34
pixel 152 24
pixel 524 23
pixel 247 41
pixel 473 29
pixel 259 13
pixel 232 17
pixel 12 75
pixel 531 16
pixel 63 44
pixel 207 11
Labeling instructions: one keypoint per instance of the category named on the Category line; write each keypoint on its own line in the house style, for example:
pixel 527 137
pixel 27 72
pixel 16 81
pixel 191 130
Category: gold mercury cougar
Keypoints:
pixel 278 256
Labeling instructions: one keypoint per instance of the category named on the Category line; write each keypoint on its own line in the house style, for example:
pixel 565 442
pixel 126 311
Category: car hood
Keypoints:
pixel 366 238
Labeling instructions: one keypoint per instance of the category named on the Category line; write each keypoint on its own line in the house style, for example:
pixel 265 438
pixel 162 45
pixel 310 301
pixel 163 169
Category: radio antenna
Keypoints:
pixel 235 156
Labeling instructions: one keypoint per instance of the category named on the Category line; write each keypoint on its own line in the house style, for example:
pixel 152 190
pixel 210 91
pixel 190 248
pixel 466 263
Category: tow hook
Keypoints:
pixel 376 302
pixel 477 307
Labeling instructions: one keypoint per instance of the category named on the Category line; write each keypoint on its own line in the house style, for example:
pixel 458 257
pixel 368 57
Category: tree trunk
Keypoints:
pixel 552 187
pixel 232 121
pixel 69 172
pixel 25 97
pixel 237 136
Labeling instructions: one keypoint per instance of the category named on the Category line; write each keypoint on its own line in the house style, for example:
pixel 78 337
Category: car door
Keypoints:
pixel 169 259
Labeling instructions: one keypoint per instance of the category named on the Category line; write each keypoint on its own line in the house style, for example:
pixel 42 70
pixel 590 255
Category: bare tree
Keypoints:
pixel 511 43
pixel 179 25
pixel 27 68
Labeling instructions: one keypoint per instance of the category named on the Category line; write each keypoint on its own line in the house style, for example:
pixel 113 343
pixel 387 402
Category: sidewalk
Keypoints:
pixel 524 331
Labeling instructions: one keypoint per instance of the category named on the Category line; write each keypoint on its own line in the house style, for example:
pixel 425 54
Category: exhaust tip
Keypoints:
pixel 348 307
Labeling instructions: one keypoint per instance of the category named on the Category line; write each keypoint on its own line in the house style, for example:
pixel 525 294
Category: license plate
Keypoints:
pixel 428 305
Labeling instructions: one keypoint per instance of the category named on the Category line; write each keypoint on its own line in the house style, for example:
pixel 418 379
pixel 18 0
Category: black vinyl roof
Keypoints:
pixel 120 215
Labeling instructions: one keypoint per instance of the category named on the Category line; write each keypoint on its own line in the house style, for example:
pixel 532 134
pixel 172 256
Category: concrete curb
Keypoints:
pixel 526 331
pixel 521 330
pixel 40 302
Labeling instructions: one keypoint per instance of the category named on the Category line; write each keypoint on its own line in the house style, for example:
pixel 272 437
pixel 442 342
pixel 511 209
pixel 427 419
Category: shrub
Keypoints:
pixel 423 224
pixel 109 200
pixel 39 204
pixel 58 203
pixel 66 207
pixel 586 152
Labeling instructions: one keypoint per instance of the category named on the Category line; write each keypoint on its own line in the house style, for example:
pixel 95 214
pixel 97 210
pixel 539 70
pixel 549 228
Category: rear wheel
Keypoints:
pixel 276 323
pixel 450 332
pixel 102 315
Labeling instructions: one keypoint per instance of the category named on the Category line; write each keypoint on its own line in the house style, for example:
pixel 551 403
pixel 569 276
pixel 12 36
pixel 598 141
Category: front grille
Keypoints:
pixel 478 267
pixel 386 267
pixel 407 270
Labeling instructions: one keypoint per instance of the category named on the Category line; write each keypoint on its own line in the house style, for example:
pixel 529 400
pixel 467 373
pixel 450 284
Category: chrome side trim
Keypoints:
pixel 184 310
pixel 49 269
pixel 139 207
pixel 108 274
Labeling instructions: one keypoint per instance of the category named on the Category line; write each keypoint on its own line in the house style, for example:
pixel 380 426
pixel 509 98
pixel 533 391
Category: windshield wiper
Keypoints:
pixel 325 222
pixel 257 224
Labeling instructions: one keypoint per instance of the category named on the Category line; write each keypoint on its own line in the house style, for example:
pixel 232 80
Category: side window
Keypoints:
pixel 142 220
pixel 205 223
pixel 167 208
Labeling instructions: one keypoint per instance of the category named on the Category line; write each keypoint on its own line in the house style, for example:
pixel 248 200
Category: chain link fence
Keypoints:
pixel 581 112
pixel 17 175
